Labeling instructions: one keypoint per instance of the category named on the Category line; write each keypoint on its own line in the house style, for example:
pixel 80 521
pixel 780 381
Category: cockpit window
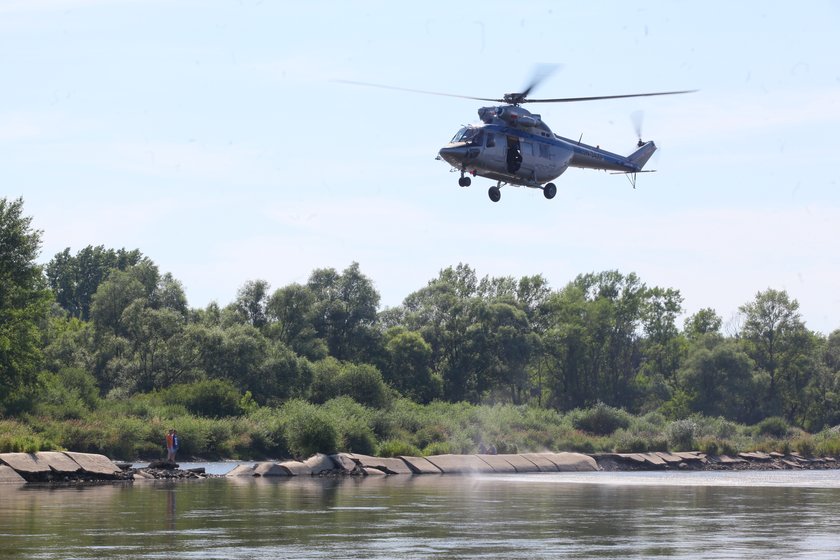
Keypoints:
pixel 469 135
pixel 459 135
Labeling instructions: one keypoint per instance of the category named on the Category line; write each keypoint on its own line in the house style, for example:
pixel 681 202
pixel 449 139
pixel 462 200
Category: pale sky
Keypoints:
pixel 212 136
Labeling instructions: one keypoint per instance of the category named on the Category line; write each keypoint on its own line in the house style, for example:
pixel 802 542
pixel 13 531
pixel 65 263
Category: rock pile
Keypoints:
pixel 166 470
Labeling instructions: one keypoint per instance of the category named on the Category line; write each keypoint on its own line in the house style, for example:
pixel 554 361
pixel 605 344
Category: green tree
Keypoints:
pixel 344 312
pixel 593 340
pixel 24 300
pixel 706 321
pixel 501 341
pixel 822 395
pixel 290 311
pixel 75 278
pixel 361 382
pixel 251 301
pixel 718 376
pixel 112 298
pixel 68 342
pixel 442 312
pixel 280 376
pixel 408 365
pixel 781 347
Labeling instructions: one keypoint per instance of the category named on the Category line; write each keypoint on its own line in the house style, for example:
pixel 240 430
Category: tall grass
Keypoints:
pixel 134 428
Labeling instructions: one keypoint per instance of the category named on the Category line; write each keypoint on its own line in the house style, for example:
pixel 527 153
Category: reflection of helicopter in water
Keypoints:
pixel 515 147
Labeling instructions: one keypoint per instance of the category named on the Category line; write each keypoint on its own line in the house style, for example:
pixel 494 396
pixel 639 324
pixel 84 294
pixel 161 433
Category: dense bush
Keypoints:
pixel 134 427
pixel 773 426
pixel 16 437
pixel 213 398
pixel 600 420
pixel 828 443
pixel 394 448
pixel 681 434
pixel 308 429
pixel 268 435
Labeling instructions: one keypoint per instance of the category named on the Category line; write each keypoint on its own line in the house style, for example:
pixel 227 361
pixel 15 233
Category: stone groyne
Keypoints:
pixel 58 466
pixel 352 463
pixel 71 467
pixel 365 465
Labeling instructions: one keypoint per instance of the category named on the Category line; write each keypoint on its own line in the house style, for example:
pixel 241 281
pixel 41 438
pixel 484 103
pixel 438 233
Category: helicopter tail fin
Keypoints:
pixel 641 156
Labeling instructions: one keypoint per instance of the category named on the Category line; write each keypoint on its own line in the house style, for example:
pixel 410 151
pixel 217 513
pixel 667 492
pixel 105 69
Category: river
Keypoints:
pixel 756 514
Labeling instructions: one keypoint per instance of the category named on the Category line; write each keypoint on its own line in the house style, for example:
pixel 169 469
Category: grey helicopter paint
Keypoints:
pixel 513 146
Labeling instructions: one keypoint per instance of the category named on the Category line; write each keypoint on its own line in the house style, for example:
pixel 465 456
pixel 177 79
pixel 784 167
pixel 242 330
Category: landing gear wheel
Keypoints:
pixel 495 194
pixel 464 181
pixel 549 191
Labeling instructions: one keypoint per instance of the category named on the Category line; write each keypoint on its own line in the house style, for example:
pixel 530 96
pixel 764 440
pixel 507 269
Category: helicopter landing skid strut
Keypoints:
pixel 495 193
pixel 464 181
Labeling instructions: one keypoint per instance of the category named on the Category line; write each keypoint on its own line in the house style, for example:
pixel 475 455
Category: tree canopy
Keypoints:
pixel 604 338
pixel 23 300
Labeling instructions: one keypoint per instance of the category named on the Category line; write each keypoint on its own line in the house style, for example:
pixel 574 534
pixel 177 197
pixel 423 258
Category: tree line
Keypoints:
pixel 105 323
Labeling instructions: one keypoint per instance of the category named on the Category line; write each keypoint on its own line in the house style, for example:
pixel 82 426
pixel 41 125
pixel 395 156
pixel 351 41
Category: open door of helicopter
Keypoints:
pixel 514 154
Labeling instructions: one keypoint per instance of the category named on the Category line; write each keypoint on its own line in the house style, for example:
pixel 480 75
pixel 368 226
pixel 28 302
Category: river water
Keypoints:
pixel 564 515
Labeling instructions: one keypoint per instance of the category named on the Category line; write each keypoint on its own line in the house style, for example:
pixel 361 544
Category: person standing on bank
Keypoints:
pixel 170 445
pixel 176 443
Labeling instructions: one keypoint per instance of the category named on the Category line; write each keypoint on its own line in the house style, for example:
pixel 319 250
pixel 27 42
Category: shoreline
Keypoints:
pixel 54 467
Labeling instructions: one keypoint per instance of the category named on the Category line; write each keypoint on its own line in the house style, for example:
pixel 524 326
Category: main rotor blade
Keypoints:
pixel 381 86
pixel 541 72
pixel 596 98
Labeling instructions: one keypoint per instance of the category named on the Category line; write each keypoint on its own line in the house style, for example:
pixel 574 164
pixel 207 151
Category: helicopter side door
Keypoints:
pixel 513 154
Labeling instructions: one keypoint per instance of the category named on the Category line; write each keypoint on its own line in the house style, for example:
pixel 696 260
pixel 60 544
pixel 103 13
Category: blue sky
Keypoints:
pixel 212 136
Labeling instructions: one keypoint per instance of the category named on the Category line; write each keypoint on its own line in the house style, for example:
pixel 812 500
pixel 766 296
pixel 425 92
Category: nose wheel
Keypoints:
pixel 495 194
pixel 464 182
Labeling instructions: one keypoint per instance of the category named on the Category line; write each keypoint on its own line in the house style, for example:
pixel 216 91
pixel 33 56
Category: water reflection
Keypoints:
pixel 424 516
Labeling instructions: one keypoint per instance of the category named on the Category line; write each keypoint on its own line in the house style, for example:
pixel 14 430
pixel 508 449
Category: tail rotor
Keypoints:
pixel 638 118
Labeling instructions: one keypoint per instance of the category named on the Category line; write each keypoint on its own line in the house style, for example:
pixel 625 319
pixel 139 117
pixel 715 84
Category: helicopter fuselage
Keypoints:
pixel 513 146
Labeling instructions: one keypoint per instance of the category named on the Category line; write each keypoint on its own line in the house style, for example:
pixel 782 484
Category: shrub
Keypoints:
pixel 308 429
pixel 709 446
pixel 626 441
pixel 357 437
pixel 827 444
pixel 437 448
pixel 213 398
pixel 579 442
pixel 267 433
pixel 680 434
pixel 396 447
pixel 429 434
pixel 714 446
pixel 805 445
pixel 773 426
pixel 364 383
pixel 601 419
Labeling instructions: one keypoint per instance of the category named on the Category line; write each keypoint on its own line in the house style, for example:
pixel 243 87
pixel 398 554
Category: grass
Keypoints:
pixel 133 429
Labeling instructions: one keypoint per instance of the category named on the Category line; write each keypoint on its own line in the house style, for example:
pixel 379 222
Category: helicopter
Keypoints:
pixel 513 146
